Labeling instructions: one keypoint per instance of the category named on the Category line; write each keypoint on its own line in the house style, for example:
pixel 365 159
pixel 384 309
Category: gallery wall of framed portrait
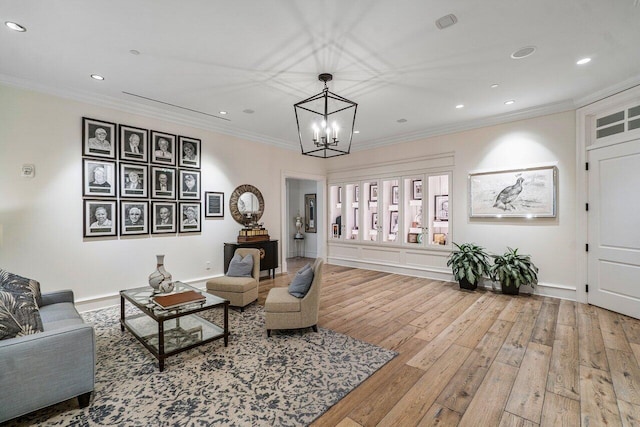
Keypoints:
pixel 139 181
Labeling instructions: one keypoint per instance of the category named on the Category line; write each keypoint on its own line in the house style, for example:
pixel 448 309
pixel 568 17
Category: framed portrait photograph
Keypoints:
pixel 373 193
pixel 134 217
pixel 213 204
pixel 516 193
pixel 189 152
pixel 393 222
pixel 189 217
pixel 134 180
pixel 416 193
pixel 442 208
pixel 134 144
pixel 99 139
pixel 99 178
pixel 189 184
pixel 163 183
pixel 395 195
pixel 163 217
pixel 100 218
pixel 163 148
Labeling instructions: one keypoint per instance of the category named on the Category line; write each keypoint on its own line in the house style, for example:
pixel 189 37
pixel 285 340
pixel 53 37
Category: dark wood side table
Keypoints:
pixel 268 254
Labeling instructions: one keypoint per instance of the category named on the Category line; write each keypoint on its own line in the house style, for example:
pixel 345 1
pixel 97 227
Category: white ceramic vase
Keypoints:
pixel 160 279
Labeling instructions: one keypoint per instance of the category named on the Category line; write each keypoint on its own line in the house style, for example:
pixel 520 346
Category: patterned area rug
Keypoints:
pixel 289 379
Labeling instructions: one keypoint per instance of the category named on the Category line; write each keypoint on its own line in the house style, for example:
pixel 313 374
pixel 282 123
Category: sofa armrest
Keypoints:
pixel 57 296
pixel 46 368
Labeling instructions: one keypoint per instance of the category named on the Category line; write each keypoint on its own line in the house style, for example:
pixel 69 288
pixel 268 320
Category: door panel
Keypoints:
pixel 614 228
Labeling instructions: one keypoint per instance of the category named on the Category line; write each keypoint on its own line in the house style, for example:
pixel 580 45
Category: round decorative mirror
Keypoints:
pixel 246 205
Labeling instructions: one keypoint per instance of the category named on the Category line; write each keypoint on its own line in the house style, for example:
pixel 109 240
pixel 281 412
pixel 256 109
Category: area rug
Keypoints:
pixel 289 379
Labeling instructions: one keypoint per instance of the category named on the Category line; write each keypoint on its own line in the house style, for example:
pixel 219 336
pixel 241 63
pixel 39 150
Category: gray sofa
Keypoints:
pixel 49 367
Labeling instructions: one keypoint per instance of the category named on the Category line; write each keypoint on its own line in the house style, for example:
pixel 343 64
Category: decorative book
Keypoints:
pixel 178 299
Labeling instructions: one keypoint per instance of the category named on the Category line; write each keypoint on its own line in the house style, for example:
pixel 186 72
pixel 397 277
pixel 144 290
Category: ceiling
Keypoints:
pixel 197 58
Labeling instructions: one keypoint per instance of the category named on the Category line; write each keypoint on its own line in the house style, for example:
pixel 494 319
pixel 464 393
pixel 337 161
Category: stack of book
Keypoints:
pixel 178 299
pixel 253 235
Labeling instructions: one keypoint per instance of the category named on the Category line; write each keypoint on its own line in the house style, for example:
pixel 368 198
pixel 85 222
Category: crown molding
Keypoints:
pixel 607 92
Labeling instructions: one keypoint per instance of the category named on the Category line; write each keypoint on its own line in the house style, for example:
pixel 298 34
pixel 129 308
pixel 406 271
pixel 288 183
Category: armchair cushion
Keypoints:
pixel 301 282
pixel 240 267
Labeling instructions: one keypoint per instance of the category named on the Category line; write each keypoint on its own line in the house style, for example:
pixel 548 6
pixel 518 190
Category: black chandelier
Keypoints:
pixel 325 122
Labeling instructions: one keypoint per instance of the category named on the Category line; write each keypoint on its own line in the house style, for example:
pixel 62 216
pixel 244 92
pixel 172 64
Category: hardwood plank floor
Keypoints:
pixel 478 358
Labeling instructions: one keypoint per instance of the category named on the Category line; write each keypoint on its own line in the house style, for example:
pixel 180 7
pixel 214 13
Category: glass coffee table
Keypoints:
pixel 166 332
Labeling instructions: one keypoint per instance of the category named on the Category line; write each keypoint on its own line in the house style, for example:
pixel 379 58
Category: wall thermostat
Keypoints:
pixel 28 171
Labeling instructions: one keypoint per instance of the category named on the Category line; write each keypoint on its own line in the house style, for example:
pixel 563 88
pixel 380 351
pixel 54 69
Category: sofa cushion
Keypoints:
pixel 301 282
pixel 15 283
pixel 240 267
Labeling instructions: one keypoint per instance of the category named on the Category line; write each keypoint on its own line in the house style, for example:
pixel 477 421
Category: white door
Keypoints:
pixel 614 228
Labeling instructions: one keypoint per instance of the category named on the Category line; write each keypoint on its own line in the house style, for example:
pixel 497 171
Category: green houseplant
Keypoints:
pixel 469 264
pixel 514 270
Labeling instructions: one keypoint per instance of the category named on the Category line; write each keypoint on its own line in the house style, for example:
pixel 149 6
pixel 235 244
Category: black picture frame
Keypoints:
pixel 189 152
pixel 163 188
pixel 213 204
pixel 163 217
pixel 129 151
pixel 395 194
pixel 99 138
pixel 416 191
pixel 190 217
pixel 134 217
pixel 373 193
pixel 99 178
pixel 339 194
pixel 310 211
pixel 189 184
pixel 97 225
pixel 161 153
pixel 134 180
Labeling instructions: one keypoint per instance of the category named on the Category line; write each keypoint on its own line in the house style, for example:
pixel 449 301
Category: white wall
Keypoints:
pixel 543 140
pixel 41 218
pixel 297 188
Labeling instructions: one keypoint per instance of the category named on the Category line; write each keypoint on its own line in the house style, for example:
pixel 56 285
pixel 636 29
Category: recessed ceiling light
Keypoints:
pixel 495 85
pixel 583 61
pixel 401 120
pixel 509 102
pixel 97 77
pixel 15 27
pixel 134 52
pixel 460 106
pixel 446 21
pixel 356 131
pixel 223 112
pixel 523 52
pixel 248 111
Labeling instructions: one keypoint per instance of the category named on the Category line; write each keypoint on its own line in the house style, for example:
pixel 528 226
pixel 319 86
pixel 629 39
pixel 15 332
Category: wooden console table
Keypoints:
pixel 268 254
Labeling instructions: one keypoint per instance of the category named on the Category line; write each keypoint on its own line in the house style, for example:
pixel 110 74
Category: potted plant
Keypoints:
pixel 469 264
pixel 514 270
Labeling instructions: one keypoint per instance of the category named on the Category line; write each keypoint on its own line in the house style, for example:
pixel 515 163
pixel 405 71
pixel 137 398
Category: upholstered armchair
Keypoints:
pixel 240 291
pixel 285 311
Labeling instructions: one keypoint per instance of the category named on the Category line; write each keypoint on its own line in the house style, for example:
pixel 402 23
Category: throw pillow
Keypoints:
pixel 14 283
pixel 301 282
pixel 240 267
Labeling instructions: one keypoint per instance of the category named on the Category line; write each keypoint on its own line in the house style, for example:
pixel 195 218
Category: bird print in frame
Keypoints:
pixel 524 193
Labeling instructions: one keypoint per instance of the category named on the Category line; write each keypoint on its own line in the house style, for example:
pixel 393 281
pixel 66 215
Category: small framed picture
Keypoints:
pixel 99 139
pixel 163 217
pixel 412 238
pixel 374 220
pixel 355 218
pixel 356 193
pixel 134 217
pixel 439 238
pixel 134 180
pixel 373 193
pixel 189 185
pixel 189 152
pixel 189 217
pixel 163 148
pixel 213 204
pixel 100 218
pixel 395 195
pixel 417 189
pixel 335 230
pixel 393 222
pixel 99 178
pixel 339 194
pixel 163 183
pixel 442 208
pixel 134 144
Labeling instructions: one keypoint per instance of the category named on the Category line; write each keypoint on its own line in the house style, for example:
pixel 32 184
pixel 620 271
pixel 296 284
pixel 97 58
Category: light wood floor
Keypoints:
pixel 478 358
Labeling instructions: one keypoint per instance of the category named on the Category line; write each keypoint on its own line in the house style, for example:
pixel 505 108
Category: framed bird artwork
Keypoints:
pixel 516 193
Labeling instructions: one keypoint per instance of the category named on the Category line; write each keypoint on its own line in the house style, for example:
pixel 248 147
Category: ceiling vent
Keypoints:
pixel 446 21
pixel 523 52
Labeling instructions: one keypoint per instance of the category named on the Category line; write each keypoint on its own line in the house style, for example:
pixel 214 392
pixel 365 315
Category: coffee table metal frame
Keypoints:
pixel 183 338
